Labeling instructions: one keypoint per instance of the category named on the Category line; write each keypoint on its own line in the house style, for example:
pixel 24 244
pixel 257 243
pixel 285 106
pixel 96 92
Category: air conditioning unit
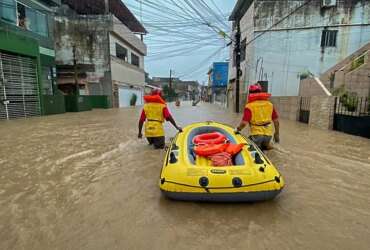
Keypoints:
pixel 329 3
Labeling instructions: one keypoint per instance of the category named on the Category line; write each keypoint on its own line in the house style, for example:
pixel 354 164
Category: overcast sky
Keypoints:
pixel 179 42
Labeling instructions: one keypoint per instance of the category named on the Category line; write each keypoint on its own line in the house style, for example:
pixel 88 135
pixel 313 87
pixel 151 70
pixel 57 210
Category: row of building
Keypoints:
pixel 53 48
pixel 184 90
pixel 67 55
pixel 284 42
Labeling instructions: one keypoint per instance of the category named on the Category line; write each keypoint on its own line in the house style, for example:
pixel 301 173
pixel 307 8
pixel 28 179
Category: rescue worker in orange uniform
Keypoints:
pixel 262 118
pixel 154 114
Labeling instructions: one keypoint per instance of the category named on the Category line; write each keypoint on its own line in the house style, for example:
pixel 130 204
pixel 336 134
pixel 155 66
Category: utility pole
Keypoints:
pixel 237 61
pixel 170 83
pixel 170 87
pixel 75 70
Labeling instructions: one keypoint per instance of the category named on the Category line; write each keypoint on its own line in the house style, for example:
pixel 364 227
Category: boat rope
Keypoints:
pixel 249 185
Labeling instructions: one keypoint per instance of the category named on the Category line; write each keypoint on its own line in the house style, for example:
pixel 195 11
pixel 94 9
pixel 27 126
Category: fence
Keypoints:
pixel 304 110
pixel 352 116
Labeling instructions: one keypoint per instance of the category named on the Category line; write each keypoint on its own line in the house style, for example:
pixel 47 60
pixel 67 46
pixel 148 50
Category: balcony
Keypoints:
pixel 125 34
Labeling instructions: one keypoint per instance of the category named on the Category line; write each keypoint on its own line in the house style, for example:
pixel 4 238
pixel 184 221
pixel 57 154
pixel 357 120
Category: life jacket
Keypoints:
pixel 154 119
pixel 154 99
pixel 234 149
pixel 261 109
pixel 209 149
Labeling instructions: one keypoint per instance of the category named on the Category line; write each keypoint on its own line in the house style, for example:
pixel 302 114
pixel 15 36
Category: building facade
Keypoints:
pixel 217 82
pixel 352 75
pixel 185 90
pixel 100 49
pixel 27 59
pixel 281 40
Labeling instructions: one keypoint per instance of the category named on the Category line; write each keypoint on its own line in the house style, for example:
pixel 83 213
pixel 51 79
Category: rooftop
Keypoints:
pixel 239 9
pixel 116 7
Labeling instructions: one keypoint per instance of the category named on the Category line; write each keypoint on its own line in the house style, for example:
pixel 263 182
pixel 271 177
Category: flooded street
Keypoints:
pixel 84 181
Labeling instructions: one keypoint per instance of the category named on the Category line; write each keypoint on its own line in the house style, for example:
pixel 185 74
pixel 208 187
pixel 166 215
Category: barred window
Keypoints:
pixel 329 38
pixel 121 52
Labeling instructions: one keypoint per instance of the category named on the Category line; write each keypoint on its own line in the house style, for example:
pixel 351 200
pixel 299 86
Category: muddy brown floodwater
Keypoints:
pixel 84 181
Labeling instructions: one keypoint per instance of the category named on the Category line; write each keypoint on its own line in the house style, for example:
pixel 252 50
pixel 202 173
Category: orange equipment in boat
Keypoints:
pixel 209 149
pixel 209 138
pixel 234 149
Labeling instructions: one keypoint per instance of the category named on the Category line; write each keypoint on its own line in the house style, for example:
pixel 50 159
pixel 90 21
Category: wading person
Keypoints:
pixel 154 114
pixel 261 116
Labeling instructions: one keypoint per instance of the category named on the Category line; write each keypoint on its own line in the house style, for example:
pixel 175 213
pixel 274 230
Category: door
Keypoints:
pixel 19 90
pixel 125 95
pixel 304 109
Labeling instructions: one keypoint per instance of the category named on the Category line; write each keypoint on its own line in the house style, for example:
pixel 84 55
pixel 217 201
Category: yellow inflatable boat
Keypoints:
pixel 185 176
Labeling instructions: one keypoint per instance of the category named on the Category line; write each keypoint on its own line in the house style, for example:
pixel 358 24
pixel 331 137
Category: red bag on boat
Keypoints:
pixel 221 159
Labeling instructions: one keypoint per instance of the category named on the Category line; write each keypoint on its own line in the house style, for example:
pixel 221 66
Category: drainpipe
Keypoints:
pixel 75 75
pixel 106 6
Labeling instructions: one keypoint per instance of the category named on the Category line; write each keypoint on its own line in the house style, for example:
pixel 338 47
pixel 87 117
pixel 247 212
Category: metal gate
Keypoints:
pixel 19 90
pixel 352 116
pixel 304 109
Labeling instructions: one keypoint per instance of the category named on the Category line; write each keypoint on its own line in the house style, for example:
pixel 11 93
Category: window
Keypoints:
pixel 38 22
pixel 329 38
pixel 243 47
pixel 135 60
pixel 121 52
pixel 21 14
pixel 32 20
pixel 7 11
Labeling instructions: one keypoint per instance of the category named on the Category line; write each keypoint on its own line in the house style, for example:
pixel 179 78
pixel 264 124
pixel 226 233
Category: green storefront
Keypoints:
pixel 27 59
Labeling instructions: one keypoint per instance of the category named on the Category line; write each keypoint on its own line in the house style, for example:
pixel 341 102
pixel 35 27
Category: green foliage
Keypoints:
pixel 357 62
pixel 304 75
pixel 133 99
pixel 348 99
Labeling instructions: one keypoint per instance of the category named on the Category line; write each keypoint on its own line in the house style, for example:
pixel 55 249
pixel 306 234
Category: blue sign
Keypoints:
pixel 220 72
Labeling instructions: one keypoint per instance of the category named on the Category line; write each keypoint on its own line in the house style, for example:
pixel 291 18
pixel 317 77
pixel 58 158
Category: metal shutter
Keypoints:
pixel 19 90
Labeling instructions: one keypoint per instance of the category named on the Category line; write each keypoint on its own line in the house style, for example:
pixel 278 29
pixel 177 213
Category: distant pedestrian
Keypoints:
pixel 262 118
pixel 154 114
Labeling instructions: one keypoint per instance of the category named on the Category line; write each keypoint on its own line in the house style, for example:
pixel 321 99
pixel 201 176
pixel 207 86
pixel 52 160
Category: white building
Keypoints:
pixel 108 46
pixel 282 39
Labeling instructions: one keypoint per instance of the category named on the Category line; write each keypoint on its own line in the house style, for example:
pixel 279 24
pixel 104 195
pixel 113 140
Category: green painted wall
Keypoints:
pixel 47 60
pixel 15 42
pixel 53 104
pixel 100 101
pixel 77 103
pixel 18 44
